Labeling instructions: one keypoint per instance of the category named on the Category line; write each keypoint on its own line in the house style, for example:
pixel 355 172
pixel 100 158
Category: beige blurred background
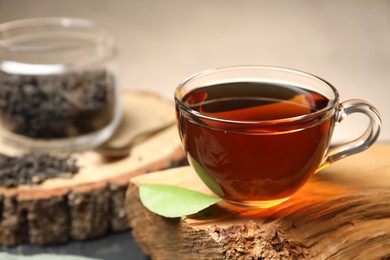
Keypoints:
pixel 162 42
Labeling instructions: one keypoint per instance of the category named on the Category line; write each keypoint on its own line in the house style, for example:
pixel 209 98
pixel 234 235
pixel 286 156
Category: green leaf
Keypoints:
pixel 204 176
pixel 171 201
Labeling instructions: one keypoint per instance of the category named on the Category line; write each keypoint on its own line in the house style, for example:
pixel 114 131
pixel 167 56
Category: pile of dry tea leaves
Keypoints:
pixel 34 168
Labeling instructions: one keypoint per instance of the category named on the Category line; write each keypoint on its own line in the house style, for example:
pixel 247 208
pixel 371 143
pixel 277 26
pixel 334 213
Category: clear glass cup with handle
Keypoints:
pixel 256 134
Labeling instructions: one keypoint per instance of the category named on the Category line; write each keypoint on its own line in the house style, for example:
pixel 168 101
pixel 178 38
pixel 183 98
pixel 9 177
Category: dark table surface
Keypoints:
pixel 119 246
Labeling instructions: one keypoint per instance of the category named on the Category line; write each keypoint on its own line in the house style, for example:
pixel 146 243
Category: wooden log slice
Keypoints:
pixel 91 203
pixel 343 212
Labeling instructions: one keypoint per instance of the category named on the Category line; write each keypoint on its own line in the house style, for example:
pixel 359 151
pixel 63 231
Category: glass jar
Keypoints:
pixel 58 83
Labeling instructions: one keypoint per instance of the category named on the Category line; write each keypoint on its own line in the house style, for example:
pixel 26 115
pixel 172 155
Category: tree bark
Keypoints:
pixel 343 212
pixel 91 203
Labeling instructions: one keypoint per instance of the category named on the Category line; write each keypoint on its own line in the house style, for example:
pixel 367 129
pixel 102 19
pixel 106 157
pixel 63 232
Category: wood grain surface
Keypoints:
pixel 343 212
pixel 91 203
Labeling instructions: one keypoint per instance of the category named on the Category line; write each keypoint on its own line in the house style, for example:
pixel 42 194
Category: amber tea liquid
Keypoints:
pixel 254 161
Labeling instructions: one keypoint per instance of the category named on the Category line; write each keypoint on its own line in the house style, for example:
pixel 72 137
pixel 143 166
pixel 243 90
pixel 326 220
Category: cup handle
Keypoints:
pixel 361 143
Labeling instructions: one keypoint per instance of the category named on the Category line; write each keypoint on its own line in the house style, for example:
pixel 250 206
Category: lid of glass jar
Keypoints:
pixel 53 45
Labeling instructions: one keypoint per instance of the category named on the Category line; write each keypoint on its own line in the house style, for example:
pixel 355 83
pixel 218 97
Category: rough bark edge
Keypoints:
pixel 82 212
pixel 164 238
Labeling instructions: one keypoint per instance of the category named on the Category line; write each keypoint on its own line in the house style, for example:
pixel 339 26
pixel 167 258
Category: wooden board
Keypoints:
pixel 91 203
pixel 343 212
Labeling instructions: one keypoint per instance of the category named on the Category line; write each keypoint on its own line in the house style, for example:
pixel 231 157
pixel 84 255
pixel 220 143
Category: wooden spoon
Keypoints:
pixel 118 150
